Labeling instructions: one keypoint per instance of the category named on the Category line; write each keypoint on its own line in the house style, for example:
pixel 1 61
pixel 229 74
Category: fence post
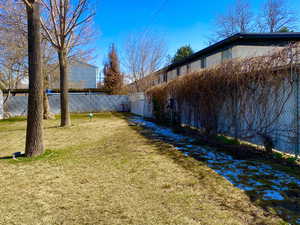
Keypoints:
pixel 1 105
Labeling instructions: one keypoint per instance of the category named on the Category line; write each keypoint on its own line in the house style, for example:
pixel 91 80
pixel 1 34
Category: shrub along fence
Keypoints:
pixel 255 99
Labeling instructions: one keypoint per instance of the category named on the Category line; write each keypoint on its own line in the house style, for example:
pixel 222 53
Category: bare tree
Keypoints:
pixel 49 67
pixel 13 54
pixel 238 19
pixel 34 135
pixel 66 26
pixel 276 15
pixel 144 54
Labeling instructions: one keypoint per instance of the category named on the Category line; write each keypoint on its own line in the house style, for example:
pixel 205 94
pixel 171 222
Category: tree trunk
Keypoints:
pixel 34 135
pixel 47 113
pixel 64 89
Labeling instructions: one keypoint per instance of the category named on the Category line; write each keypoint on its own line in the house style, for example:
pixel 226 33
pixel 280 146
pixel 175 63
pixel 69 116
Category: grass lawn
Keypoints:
pixel 106 172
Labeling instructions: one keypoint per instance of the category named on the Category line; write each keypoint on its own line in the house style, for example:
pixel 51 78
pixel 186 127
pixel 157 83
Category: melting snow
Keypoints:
pixel 238 172
pixel 272 195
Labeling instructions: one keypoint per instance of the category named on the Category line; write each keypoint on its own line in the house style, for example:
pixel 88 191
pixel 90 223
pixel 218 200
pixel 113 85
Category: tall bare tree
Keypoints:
pixel 144 54
pixel 276 15
pixel 13 54
pixel 34 135
pixel 66 25
pixel 238 19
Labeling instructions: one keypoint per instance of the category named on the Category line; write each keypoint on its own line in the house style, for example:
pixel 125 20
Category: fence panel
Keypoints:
pixel 284 132
pixel 78 103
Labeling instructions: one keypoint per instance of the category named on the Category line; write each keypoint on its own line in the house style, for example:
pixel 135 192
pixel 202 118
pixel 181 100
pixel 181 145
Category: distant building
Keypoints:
pixel 81 75
pixel 238 46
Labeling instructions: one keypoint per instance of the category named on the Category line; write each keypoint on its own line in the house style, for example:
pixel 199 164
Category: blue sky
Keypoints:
pixel 179 22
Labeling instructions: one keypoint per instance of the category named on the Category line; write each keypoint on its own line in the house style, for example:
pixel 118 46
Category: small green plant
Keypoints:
pixel 277 155
pixel 292 159
pixel 48 155
pixel 90 116
pixel 227 140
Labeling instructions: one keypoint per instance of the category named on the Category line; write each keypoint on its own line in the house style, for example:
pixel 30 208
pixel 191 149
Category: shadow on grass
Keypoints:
pixel 20 158
pixel 287 209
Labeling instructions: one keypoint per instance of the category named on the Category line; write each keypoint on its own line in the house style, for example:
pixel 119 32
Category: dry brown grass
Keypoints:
pixel 105 172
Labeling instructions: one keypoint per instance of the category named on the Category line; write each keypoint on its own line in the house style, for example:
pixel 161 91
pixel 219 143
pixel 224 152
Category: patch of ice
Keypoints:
pixel 232 176
pixel 272 195
pixel 254 182
pixel 252 167
pixel 244 187
pixel 277 182
pixel 179 148
pixel 224 164
pixel 157 129
pixel 279 188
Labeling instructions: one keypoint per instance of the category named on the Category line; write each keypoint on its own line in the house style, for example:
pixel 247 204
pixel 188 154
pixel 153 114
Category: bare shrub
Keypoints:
pixel 243 98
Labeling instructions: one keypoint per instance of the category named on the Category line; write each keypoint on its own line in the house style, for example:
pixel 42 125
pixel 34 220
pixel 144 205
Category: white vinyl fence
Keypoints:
pixel 139 105
pixel 285 131
pixel 78 103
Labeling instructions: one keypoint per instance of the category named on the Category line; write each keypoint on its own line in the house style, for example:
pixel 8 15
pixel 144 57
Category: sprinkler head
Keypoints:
pixel 90 116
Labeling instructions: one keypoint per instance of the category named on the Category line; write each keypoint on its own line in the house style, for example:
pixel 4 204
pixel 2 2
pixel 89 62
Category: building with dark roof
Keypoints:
pixel 238 46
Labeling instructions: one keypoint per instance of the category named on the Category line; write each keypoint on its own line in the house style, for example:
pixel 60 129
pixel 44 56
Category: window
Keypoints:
pixel 188 68
pixel 165 77
pixel 178 71
pixel 227 54
pixel 203 63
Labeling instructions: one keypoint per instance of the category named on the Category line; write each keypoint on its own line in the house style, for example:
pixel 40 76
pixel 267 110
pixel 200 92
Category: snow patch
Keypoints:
pixel 272 195
pixel 224 164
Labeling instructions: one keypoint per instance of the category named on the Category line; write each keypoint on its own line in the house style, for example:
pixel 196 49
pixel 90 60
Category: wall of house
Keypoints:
pixel 183 70
pixel 196 65
pixel 172 74
pixel 214 59
pixel 238 51
pixel 83 76
pixel 246 51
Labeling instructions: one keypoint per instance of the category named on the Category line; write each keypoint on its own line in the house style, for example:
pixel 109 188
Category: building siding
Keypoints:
pixel 83 75
pixel 246 51
pixel 239 46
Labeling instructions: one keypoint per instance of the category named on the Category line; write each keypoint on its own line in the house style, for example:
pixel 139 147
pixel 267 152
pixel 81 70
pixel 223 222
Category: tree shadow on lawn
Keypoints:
pixel 19 157
pixel 269 193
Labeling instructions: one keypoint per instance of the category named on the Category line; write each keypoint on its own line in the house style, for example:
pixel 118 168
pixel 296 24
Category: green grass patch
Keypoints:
pixel 14 119
pixel 119 175
pixel 227 140
pixel 49 155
